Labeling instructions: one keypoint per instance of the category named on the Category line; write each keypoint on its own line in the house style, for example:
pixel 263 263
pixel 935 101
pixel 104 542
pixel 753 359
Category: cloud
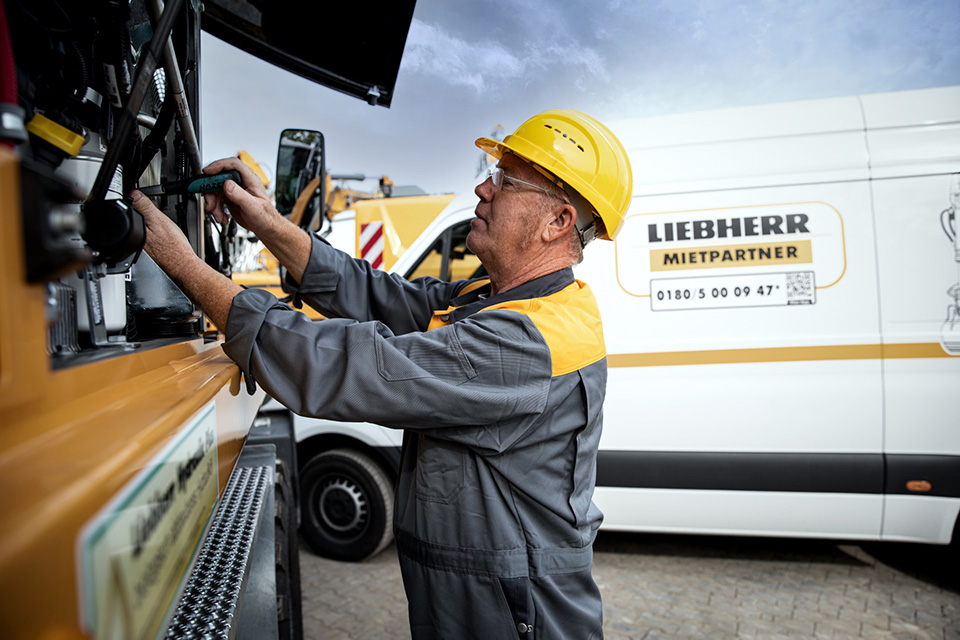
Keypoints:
pixel 490 66
pixel 478 65
pixel 471 65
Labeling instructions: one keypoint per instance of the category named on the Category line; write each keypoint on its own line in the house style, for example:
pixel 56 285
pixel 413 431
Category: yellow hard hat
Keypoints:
pixel 582 153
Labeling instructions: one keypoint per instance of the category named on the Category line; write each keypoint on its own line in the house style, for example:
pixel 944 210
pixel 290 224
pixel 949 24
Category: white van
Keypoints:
pixel 782 319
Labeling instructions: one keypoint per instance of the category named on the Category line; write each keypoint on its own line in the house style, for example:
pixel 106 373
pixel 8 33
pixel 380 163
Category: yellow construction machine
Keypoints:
pixel 377 226
pixel 139 498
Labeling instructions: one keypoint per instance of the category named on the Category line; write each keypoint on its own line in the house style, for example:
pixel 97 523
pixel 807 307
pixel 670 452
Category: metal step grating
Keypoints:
pixel 209 604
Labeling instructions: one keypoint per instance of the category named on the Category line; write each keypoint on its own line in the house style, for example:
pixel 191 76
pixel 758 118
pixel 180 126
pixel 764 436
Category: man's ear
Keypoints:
pixel 561 220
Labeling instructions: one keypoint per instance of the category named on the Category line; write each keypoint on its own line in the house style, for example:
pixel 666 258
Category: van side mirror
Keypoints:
pixel 300 163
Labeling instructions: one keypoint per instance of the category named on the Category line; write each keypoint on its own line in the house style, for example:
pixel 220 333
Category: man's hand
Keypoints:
pixel 250 206
pixel 248 203
pixel 169 248
pixel 165 242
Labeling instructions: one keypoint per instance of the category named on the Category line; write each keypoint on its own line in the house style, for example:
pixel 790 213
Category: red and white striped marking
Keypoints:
pixel 371 243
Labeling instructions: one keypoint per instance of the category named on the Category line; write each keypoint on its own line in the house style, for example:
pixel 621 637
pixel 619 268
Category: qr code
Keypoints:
pixel 800 288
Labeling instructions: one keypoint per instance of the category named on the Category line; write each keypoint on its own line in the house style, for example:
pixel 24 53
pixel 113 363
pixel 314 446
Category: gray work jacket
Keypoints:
pixel 501 401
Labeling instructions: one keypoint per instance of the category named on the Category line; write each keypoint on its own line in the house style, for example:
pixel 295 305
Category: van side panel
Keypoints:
pixel 769 405
pixel 778 514
pixel 915 159
pixel 807 410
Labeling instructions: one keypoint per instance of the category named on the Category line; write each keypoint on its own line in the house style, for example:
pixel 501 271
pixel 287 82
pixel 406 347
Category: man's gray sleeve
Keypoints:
pixel 339 286
pixel 491 370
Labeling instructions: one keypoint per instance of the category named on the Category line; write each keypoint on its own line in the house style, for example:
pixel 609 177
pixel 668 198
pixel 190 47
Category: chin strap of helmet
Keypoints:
pixel 589 225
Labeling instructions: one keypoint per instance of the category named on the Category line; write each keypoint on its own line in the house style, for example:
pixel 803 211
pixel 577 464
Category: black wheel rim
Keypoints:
pixel 342 507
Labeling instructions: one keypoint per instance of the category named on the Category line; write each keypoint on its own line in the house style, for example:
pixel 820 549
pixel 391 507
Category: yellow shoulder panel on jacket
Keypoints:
pixel 441 317
pixel 473 286
pixel 569 322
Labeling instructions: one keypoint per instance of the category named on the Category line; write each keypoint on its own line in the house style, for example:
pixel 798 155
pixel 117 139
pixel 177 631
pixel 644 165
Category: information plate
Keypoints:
pixel 134 554
pixel 716 292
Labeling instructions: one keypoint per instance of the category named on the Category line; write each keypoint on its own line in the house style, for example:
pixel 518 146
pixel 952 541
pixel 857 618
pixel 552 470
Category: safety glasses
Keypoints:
pixel 497 175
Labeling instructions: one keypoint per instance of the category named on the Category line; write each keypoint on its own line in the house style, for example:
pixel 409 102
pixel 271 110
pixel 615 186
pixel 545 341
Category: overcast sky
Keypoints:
pixel 469 66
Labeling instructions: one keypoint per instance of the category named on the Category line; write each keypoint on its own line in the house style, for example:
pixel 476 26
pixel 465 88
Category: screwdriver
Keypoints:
pixel 197 184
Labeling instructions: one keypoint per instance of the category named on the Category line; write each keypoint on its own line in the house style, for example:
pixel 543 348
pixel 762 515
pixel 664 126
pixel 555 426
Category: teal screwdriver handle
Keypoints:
pixel 207 184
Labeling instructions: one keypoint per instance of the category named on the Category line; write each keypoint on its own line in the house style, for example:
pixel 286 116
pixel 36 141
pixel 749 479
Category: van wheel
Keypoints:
pixel 346 505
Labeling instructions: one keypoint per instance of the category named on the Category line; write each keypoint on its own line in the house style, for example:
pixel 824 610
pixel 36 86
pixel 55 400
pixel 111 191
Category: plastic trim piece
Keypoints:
pixel 863 473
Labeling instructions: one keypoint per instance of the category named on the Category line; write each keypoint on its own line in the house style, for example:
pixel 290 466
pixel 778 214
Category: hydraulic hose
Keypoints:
pixel 153 142
pixel 128 115
pixel 8 71
pixel 11 115
pixel 175 85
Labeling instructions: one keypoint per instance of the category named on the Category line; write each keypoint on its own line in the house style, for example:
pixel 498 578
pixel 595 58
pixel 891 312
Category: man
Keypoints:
pixel 498 383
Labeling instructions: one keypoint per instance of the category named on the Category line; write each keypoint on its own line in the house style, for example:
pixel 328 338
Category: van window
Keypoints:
pixel 449 258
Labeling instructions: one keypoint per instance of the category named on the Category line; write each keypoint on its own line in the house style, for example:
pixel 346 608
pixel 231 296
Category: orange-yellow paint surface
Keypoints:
pixel 71 439
pixel 22 321
pixel 404 219
pixel 778 354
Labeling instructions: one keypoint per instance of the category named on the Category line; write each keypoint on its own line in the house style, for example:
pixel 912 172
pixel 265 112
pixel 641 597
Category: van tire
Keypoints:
pixel 346 505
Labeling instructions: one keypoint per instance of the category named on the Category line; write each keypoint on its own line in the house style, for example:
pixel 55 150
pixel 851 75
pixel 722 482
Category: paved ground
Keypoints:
pixel 682 587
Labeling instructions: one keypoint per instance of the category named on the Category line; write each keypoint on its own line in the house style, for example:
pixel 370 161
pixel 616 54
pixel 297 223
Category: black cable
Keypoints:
pixel 154 142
